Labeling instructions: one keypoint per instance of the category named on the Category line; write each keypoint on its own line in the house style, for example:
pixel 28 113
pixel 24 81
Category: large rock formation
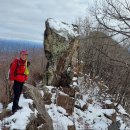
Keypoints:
pixel 61 43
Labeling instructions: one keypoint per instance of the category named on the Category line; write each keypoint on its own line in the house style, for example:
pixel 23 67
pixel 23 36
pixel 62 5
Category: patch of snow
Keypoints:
pixel 121 110
pixel 39 127
pixel 108 102
pixel 35 112
pixel 100 125
pixel 75 84
pixel 19 119
pixel 59 120
pixel 69 69
pixel 85 98
pixel 42 93
pixel 108 111
pixel 81 102
pixel 94 111
pixel 74 78
pixel 53 98
pixel 1 107
pixel 63 29
pixel 123 125
pixel 62 110
pixel 62 93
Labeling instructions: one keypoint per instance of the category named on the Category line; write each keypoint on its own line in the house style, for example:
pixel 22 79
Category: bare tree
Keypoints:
pixel 114 16
pixel 104 57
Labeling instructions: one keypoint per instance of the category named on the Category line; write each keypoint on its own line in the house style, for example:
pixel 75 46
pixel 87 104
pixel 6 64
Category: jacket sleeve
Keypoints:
pixel 13 69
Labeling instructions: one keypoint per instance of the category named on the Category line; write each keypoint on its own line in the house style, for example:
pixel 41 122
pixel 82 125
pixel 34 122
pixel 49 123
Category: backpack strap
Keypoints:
pixel 18 64
pixel 26 70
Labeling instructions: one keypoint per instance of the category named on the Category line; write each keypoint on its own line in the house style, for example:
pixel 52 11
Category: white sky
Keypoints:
pixel 25 19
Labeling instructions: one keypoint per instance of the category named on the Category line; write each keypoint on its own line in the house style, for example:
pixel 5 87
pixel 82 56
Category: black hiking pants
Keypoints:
pixel 17 89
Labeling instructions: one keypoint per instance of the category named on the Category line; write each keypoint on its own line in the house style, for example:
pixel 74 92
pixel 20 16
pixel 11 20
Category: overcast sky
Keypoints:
pixel 25 19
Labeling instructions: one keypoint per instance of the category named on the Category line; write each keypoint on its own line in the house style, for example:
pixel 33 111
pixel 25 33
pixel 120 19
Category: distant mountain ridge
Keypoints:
pixel 18 44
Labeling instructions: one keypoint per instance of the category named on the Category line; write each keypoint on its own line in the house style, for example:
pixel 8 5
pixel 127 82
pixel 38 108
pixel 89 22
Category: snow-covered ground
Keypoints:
pixel 19 119
pixel 92 118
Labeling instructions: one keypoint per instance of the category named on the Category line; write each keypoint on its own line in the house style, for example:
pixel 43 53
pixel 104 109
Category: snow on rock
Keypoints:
pixel 40 127
pixel 92 118
pixel 75 79
pixel 48 88
pixel 20 119
pixel 100 125
pixel 123 125
pixel 75 84
pixel 42 93
pixel 1 107
pixel 80 102
pixel 121 110
pixel 62 110
pixel 63 29
pixel 59 120
pixel 108 111
pixel 108 102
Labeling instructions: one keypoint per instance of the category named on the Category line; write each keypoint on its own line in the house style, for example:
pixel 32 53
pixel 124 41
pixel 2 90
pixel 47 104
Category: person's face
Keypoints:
pixel 23 56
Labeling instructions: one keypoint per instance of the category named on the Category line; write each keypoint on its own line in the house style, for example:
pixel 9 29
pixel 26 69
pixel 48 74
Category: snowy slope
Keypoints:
pixel 92 118
pixel 20 119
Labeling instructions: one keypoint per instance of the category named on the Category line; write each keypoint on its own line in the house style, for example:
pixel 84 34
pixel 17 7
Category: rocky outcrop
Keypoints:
pixel 43 119
pixel 61 43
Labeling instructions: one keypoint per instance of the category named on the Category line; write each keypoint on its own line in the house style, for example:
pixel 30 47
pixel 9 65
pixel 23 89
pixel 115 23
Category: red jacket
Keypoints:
pixel 17 70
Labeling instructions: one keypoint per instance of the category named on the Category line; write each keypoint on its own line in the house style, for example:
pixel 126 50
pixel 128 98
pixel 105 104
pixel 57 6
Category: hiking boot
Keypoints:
pixel 13 111
pixel 19 107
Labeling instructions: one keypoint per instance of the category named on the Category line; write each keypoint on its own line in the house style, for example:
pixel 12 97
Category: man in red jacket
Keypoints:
pixel 17 78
